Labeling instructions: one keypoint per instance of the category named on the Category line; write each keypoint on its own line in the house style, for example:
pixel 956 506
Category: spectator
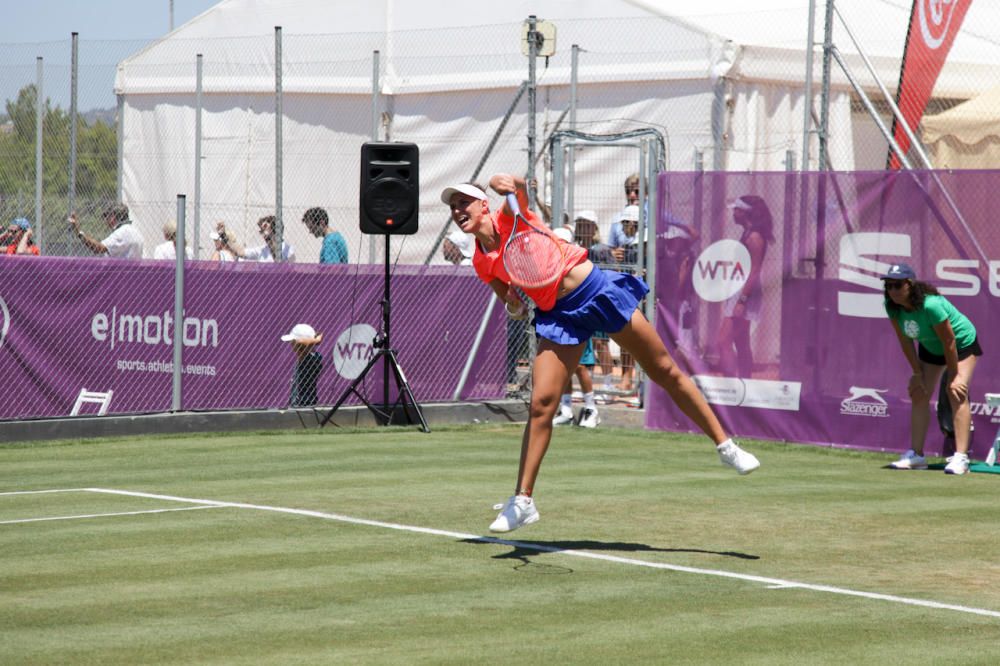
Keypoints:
pixel 334 250
pixel 18 238
pixel 227 247
pixel 168 248
pixel 624 240
pixel 946 344
pixel 457 248
pixel 124 241
pixel 587 234
pixel 269 250
pixel 589 416
pixel 625 250
pixel 308 366
pixel 735 353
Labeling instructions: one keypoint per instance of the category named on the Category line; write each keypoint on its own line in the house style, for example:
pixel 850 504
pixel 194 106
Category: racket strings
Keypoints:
pixel 533 259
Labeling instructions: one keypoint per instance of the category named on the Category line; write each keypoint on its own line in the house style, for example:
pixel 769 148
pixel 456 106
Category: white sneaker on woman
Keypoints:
pixel 957 464
pixel 519 511
pixel 910 460
pixel 740 460
pixel 563 415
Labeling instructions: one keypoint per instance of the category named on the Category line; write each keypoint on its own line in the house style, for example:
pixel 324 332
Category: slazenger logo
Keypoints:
pixel 865 402
pixel 853 248
pixel 353 349
pixel 5 323
pixel 721 270
pixel 934 17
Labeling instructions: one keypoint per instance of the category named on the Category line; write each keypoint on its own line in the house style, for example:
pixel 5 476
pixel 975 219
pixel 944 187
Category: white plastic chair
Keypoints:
pixel 993 400
pixel 102 399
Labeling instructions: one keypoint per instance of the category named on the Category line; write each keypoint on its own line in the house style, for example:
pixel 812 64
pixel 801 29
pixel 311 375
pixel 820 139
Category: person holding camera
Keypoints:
pixel 226 247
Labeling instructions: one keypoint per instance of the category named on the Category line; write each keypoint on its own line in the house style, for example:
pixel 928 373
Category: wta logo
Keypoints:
pixel 353 350
pixel 934 17
pixel 721 270
pixel 4 321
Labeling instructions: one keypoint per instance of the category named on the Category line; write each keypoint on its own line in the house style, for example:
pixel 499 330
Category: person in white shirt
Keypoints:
pixel 268 251
pixel 124 241
pixel 168 248
pixel 223 245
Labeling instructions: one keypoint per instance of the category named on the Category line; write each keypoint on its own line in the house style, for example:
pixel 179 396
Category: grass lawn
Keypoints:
pixel 363 547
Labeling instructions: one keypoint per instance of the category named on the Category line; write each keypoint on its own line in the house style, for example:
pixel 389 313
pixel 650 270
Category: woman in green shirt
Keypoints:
pixel 946 340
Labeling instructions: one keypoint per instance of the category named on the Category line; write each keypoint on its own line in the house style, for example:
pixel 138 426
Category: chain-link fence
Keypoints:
pixel 213 117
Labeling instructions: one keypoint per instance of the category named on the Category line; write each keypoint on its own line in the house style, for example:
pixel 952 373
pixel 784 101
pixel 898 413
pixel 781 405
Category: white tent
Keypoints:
pixel 966 136
pixel 722 79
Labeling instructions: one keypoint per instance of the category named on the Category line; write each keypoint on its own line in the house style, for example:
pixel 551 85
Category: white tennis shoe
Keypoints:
pixel 740 460
pixel 519 511
pixel 910 460
pixel 957 464
pixel 563 416
pixel 589 418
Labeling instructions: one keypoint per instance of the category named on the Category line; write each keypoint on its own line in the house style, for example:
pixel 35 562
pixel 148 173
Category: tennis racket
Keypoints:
pixel 532 258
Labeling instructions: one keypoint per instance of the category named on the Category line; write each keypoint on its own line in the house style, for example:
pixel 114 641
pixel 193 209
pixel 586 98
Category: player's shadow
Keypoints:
pixel 524 550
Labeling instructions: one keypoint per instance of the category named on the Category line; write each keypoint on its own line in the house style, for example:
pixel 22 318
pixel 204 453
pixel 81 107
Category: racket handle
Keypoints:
pixel 512 204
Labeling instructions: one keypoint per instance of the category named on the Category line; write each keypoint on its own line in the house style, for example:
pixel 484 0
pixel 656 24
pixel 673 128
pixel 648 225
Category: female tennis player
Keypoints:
pixel 569 309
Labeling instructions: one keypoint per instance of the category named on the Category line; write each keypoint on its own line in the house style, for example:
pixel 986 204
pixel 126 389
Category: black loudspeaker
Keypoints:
pixel 390 188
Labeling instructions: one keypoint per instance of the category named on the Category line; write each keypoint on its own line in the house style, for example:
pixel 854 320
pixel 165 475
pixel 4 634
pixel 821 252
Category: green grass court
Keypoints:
pixel 362 547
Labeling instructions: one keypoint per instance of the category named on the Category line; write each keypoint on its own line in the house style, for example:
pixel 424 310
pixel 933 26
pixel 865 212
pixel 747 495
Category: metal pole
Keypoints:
pixel 532 57
pixel 197 155
pixel 178 341
pixel 807 95
pixel 39 135
pixel 376 89
pixel 571 161
pixel 476 344
pixel 120 137
pixel 824 110
pixel 74 68
pixel 171 15
pixel 279 226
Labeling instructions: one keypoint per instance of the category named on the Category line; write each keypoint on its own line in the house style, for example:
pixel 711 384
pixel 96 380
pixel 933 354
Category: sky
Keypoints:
pixel 52 20
pixel 109 31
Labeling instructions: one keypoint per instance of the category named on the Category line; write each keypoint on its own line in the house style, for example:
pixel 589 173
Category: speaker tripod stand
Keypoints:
pixel 384 413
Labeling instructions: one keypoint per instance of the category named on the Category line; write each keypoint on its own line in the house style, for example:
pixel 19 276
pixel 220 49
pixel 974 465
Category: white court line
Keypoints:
pixel 102 515
pixel 776 583
pixel 45 492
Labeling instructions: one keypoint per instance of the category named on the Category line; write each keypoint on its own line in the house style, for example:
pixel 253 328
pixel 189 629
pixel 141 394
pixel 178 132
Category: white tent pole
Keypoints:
pixel 197 156
pixel 40 229
pixel 807 95
pixel 532 57
pixel 279 226
pixel 376 87
pixel 824 107
pixel 571 161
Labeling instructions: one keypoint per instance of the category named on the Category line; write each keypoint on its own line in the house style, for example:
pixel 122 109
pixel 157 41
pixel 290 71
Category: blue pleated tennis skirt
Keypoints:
pixel 604 301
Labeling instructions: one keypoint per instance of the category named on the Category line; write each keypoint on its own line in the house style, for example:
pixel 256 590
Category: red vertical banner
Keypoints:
pixel 933 26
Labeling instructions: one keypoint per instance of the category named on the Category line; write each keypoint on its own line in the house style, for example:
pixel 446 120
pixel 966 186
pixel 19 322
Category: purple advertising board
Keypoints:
pixel 812 356
pixel 68 324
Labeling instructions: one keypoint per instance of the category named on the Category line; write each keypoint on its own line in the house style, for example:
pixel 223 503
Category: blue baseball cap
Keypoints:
pixel 900 272
pixel 21 222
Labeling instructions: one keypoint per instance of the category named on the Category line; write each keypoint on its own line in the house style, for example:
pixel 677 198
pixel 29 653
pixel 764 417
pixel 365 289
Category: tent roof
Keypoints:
pixel 327 44
pixel 970 122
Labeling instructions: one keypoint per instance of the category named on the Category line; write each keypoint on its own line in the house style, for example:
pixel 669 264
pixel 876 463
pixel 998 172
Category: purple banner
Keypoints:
pixel 811 356
pixel 107 325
